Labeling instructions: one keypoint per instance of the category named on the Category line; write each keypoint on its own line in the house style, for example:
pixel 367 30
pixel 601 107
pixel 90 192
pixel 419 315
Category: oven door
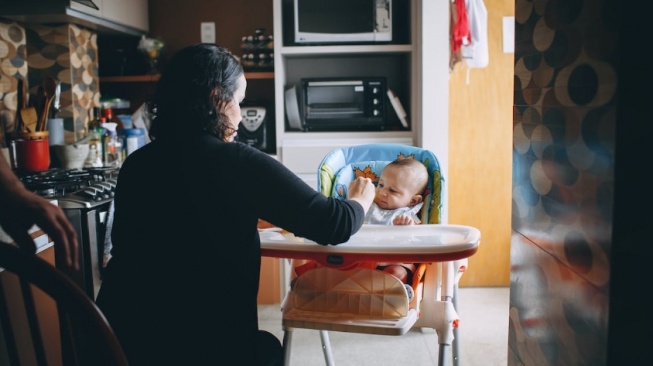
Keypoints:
pixel 91 227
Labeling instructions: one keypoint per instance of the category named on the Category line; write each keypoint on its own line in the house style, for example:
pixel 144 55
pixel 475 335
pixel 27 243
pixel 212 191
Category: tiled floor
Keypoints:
pixel 483 337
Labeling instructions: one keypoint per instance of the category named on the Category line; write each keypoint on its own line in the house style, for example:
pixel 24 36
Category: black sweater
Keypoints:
pixel 186 253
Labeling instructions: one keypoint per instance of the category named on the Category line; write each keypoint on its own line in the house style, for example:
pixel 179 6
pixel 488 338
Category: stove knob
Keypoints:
pixel 106 186
pixel 91 192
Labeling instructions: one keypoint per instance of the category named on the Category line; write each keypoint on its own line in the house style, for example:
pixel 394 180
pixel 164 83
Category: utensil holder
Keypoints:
pixel 32 151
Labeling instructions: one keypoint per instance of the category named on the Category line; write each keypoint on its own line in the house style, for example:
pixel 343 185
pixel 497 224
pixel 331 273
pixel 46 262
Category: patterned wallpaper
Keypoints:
pixel 13 66
pixel 563 177
pixel 66 52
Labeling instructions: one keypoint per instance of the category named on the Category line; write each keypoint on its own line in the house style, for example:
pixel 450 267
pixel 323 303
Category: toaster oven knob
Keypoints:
pixel 376 112
pixel 375 90
pixel 375 101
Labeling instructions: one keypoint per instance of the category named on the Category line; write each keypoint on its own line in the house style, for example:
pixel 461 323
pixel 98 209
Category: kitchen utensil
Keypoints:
pixel 20 104
pixel 56 104
pixel 49 89
pixel 72 156
pixel 27 114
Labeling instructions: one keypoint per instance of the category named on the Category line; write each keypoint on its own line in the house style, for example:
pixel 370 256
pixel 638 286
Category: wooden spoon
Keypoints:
pixel 49 89
pixel 28 115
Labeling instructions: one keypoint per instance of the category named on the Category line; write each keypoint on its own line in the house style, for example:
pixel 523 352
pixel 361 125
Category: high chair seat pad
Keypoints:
pixel 368 169
pixel 362 292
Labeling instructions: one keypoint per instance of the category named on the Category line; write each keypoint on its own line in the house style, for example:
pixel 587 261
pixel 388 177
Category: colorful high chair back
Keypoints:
pixel 341 166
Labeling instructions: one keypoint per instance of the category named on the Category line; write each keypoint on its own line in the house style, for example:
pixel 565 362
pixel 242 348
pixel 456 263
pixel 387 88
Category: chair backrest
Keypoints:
pixel 86 338
pixel 341 166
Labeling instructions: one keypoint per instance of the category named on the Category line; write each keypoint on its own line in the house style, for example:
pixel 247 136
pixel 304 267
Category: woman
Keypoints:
pixel 182 283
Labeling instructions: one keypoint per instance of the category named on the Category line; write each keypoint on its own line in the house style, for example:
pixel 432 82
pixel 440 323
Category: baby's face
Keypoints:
pixel 393 190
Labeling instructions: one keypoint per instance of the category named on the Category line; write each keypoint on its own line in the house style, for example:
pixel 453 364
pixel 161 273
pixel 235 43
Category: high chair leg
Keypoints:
pixel 326 348
pixel 287 340
pixel 455 344
pixel 443 360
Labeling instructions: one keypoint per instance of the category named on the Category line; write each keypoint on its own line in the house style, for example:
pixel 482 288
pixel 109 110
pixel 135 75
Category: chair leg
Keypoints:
pixel 326 348
pixel 287 339
pixel 455 344
pixel 443 359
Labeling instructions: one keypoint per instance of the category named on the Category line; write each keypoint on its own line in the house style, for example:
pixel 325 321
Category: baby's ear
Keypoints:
pixel 415 199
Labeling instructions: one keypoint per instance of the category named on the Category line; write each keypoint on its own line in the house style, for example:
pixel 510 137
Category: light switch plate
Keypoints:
pixel 207 32
pixel 508 34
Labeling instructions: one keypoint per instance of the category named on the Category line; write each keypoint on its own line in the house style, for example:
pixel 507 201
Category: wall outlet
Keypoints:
pixel 207 32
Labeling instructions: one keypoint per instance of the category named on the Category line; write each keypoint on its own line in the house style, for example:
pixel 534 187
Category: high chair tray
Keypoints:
pixel 383 243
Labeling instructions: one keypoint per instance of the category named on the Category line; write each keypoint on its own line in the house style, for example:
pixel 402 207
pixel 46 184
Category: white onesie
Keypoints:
pixel 377 215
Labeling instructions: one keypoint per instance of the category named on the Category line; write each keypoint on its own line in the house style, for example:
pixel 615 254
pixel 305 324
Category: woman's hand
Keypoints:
pixel 362 191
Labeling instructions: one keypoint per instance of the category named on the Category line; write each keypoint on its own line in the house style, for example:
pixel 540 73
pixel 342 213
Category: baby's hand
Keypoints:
pixel 403 220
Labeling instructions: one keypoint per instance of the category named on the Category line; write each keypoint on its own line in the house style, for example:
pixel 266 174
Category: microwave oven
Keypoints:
pixel 344 104
pixel 342 21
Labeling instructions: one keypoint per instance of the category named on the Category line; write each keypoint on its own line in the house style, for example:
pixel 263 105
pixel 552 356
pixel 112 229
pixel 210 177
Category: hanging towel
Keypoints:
pixel 459 28
pixel 475 54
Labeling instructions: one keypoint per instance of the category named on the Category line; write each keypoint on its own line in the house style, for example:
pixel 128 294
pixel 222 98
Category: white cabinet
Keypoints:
pixel 129 13
pixel 416 64
pixel 124 17
pixel 302 151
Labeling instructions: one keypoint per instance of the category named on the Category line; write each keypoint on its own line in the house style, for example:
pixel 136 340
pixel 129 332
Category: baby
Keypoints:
pixel 397 201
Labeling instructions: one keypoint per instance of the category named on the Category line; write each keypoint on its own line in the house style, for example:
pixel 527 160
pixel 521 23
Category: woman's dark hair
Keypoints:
pixel 196 83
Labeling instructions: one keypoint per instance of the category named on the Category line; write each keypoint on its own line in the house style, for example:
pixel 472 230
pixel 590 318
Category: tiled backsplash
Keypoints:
pixel 67 52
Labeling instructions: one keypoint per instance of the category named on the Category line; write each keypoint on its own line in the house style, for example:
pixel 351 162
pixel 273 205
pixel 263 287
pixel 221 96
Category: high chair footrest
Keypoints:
pixel 294 318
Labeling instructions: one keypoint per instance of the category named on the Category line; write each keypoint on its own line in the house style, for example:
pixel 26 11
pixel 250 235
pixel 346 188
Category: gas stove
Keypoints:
pixel 86 198
pixel 78 188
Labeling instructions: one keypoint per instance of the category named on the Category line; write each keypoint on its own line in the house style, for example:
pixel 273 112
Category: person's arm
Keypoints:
pixel 288 202
pixel 20 209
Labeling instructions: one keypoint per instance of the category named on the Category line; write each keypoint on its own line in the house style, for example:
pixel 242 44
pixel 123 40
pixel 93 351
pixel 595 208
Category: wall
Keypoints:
pixel 581 128
pixel 66 52
pixel 179 26
pixel 480 135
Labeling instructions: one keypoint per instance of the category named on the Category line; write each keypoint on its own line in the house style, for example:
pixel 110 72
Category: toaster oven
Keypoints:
pixel 344 104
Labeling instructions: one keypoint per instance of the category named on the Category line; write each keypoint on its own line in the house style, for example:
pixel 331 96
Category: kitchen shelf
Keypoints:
pixel 349 49
pixel 152 78
pixel 259 75
pixel 130 78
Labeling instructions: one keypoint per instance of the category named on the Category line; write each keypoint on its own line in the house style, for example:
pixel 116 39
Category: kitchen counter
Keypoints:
pixel 41 239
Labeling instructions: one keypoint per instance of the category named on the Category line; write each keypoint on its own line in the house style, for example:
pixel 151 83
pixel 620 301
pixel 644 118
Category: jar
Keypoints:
pixel 134 138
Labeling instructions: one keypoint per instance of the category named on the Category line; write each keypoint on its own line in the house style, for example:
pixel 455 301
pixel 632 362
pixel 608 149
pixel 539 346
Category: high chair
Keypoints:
pixel 332 291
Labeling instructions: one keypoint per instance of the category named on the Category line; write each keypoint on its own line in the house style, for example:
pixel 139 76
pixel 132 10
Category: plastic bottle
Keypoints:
pixel 112 146
pixel 95 157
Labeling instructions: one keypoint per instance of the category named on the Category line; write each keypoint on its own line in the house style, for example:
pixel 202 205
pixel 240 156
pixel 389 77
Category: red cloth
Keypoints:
pixel 460 31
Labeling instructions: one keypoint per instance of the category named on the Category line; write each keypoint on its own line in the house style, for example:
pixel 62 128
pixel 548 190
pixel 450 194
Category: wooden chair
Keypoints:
pixel 86 338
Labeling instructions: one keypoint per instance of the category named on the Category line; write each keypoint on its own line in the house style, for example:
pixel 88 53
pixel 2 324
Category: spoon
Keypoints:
pixel 29 119
pixel 49 89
